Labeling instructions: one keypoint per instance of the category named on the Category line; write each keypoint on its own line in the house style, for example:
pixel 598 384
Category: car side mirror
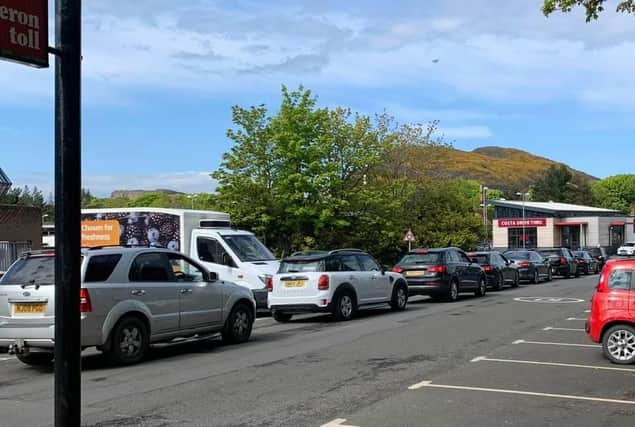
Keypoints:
pixel 211 276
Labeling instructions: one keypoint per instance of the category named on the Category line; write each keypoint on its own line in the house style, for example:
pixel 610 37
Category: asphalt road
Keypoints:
pixel 480 362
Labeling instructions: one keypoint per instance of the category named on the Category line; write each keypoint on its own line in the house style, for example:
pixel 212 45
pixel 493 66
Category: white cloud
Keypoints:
pixel 102 186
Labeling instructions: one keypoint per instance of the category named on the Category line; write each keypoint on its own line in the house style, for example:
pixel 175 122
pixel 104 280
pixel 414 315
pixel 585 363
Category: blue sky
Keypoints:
pixel 161 76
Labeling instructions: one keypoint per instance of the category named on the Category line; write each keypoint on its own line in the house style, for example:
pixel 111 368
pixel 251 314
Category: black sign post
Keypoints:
pixel 67 212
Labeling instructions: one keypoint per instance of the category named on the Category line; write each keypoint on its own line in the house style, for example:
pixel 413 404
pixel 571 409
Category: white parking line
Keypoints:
pixel 565 344
pixel 428 384
pixel 338 422
pixel 575 318
pixel 551 328
pixel 564 365
pixel 587 311
pixel 3 359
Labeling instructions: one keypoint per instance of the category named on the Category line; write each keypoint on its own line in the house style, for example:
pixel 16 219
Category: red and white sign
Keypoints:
pixel 410 236
pixel 24 32
pixel 519 222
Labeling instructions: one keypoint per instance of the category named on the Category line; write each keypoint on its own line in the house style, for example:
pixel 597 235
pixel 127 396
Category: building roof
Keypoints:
pixel 5 182
pixel 555 208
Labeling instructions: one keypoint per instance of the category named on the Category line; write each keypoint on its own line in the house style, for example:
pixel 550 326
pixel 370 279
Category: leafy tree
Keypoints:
pixel 593 8
pixel 558 184
pixel 615 192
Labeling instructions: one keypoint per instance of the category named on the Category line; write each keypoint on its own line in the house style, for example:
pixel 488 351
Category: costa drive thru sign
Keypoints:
pixel 24 31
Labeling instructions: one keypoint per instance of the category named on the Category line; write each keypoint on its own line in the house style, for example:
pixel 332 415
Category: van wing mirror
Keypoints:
pixel 211 276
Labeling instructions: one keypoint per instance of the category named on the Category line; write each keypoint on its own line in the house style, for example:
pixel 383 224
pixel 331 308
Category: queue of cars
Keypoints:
pixel 132 297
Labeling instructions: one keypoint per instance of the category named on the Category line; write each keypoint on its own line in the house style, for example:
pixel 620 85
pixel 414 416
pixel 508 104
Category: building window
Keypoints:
pixel 516 238
pixel 570 237
pixel 616 235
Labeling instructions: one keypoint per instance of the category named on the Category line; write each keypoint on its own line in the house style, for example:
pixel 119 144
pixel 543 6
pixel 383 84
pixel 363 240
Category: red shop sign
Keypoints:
pixel 24 32
pixel 519 222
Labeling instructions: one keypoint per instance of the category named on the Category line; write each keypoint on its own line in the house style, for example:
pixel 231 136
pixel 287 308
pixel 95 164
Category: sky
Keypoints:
pixel 160 78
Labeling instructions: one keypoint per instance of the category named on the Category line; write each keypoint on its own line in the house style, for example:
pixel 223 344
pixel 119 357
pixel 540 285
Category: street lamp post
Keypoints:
pixel 524 198
pixel 192 197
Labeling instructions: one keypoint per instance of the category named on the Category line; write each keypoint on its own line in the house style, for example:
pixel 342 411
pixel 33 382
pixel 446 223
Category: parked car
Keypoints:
pixel 586 263
pixel 532 266
pixel 612 318
pixel 563 262
pixel 599 253
pixel 129 299
pixel 627 249
pixel 442 273
pixel 338 282
pixel 499 270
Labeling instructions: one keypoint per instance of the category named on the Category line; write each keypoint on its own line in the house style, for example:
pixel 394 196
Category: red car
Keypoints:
pixel 612 318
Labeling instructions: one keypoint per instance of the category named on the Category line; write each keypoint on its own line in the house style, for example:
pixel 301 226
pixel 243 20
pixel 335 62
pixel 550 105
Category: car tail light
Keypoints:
pixel 487 268
pixel 270 284
pixel 437 269
pixel 523 264
pixel 323 282
pixel 397 269
pixel 563 261
pixel 84 301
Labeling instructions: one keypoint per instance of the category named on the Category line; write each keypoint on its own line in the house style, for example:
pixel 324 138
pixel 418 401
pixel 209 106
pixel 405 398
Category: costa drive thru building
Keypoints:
pixel 528 224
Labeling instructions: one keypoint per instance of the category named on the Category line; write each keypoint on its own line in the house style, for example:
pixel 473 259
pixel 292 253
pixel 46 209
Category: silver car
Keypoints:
pixel 129 299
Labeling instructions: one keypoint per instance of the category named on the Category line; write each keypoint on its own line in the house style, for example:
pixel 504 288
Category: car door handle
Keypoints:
pixel 137 292
pixel 186 291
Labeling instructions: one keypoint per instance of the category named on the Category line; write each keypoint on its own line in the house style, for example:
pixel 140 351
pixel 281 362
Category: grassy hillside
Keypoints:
pixel 506 169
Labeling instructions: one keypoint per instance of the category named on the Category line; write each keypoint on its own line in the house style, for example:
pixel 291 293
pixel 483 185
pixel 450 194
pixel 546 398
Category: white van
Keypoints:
pixel 235 255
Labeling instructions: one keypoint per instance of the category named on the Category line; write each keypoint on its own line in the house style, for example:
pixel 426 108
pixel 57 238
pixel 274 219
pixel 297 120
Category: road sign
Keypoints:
pixel 24 32
pixel 410 236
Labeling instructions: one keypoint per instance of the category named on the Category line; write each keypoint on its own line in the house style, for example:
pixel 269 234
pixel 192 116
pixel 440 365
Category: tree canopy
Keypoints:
pixel 592 8
pixel 558 184
pixel 616 192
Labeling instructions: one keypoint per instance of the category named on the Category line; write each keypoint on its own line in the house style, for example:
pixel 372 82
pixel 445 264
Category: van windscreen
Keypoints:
pixel 248 248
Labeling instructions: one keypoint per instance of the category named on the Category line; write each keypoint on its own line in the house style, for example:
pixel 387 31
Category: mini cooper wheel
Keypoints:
pixel 618 344
pixel 238 325
pixel 399 299
pixel 482 288
pixel 344 306
pixel 129 341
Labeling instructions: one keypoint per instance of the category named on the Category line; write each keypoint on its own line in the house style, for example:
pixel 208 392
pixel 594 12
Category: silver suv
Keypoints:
pixel 129 299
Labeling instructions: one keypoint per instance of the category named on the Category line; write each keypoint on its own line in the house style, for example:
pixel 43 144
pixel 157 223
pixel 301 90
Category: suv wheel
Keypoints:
pixel 577 272
pixel 516 280
pixel 549 275
pixel 453 291
pixel 399 297
pixel 36 359
pixel 498 284
pixel 536 279
pixel 618 344
pixel 482 288
pixel 129 342
pixel 344 307
pixel 282 317
pixel 238 325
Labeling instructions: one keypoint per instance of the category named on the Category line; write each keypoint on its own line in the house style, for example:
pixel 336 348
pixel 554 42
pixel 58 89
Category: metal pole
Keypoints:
pixel 67 212
pixel 524 232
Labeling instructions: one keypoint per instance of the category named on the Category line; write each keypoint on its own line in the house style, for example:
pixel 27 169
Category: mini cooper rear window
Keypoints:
pixel 300 266
pixel 620 279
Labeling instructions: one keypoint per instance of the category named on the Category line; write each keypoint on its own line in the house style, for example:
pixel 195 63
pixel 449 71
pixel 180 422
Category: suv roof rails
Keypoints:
pixel 94 248
pixel 48 251
pixel 336 251
pixel 310 252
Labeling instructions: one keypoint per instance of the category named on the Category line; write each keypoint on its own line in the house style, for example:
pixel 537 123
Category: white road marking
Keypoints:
pixel 338 422
pixel 3 359
pixel 565 344
pixel 551 328
pixel 564 365
pixel 428 384
pixel 587 311
pixel 549 300
pixel 575 318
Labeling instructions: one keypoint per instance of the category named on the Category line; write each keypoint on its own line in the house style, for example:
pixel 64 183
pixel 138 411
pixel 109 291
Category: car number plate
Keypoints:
pixel 30 308
pixel 414 273
pixel 294 283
